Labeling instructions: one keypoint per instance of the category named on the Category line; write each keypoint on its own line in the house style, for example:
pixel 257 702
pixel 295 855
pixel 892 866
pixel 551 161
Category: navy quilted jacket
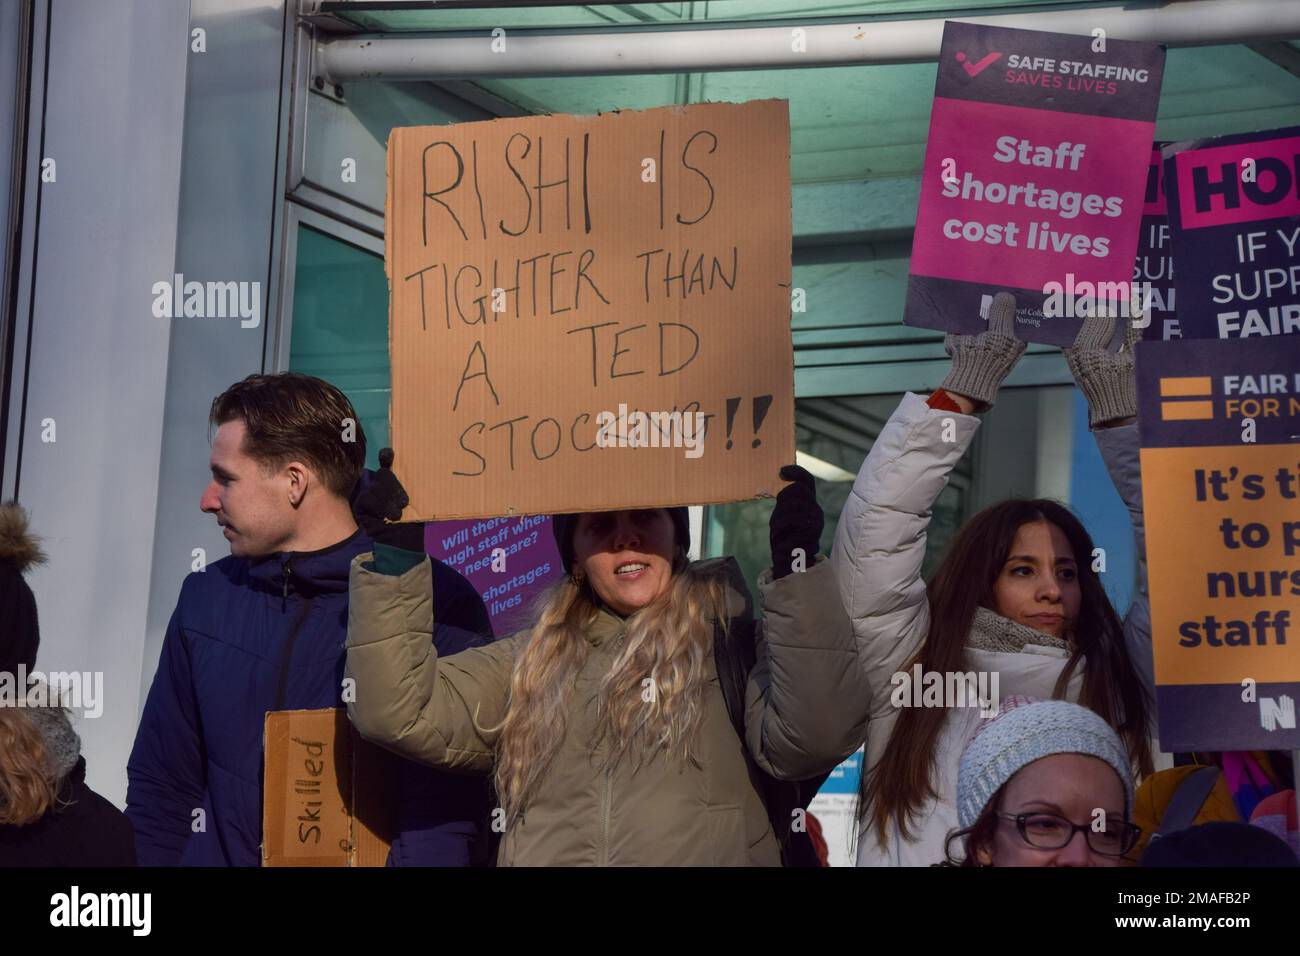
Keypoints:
pixel 254 635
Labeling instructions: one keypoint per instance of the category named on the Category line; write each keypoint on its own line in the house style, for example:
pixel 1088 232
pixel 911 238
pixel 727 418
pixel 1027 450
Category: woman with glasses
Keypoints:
pixel 1044 783
pixel 1016 607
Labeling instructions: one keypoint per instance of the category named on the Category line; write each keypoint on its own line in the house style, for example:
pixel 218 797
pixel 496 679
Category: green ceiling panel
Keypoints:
pixel 858 137
pixel 867 122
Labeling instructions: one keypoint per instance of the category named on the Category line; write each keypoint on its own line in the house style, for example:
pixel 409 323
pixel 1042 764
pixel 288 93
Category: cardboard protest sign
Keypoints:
pixel 1234 211
pixel 509 561
pixel 329 797
pixel 1153 269
pixel 1220 423
pixel 1033 180
pixel 591 313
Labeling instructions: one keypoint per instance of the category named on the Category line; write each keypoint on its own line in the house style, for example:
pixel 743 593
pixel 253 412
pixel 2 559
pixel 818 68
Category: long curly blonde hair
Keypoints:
pixel 669 642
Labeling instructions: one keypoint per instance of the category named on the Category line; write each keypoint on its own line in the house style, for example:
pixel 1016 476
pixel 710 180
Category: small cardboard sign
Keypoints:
pixel 1033 181
pixel 329 797
pixel 1220 424
pixel 591 313
pixel 1234 211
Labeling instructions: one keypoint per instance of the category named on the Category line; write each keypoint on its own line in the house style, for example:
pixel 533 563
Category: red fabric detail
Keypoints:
pixel 943 401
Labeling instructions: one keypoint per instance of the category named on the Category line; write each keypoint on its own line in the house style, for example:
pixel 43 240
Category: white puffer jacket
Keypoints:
pixel 879 548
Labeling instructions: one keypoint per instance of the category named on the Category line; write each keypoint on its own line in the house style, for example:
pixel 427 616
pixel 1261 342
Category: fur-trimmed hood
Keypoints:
pixel 62 743
pixel 17 542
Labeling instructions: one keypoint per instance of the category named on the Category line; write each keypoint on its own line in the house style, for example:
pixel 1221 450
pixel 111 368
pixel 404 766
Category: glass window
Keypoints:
pixel 832 438
pixel 340 327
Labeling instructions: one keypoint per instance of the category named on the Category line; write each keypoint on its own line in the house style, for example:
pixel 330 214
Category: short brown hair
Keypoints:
pixel 294 416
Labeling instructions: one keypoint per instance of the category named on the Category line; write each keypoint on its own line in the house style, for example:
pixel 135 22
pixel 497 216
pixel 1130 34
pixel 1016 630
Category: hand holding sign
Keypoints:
pixel 795 530
pixel 980 362
pixel 379 508
pixel 1107 379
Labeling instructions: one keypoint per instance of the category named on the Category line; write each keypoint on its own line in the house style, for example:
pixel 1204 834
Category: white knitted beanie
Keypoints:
pixel 1026 730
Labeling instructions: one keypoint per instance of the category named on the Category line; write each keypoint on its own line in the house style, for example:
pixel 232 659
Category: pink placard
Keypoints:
pixel 1231 197
pixel 1095 243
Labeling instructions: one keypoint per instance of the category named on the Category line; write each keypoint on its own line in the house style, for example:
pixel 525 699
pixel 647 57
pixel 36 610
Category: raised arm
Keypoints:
pixel 806 697
pixel 806 701
pixel 880 541
pixel 442 712
pixel 442 818
pixel 1108 381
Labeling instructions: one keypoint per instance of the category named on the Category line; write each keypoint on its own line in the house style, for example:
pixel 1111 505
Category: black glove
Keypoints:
pixel 383 502
pixel 797 521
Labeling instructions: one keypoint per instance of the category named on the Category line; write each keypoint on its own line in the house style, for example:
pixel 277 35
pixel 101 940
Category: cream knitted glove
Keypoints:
pixel 1107 379
pixel 980 362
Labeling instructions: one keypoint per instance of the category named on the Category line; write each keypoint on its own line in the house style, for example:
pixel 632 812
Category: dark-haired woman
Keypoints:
pixel 1015 597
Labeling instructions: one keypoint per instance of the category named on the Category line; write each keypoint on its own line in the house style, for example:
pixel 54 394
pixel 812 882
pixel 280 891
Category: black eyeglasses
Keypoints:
pixel 1047 831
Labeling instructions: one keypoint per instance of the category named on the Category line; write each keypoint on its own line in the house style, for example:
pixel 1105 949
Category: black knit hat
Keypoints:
pixel 563 527
pixel 20 635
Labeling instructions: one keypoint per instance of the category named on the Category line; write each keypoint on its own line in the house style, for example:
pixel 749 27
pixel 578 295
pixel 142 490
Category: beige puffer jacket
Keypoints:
pixel 800 704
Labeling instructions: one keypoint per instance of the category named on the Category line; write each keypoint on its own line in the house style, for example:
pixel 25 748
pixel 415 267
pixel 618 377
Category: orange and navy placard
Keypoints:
pixel 1220 424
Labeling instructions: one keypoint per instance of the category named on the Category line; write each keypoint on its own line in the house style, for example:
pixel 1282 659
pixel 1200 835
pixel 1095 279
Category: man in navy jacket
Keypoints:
pixel 263 630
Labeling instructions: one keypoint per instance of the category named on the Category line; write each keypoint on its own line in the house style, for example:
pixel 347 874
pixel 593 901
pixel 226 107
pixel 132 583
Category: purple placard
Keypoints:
pixel 1153 270
pixel 1034 178
pixel 1234 217
pixel 526 563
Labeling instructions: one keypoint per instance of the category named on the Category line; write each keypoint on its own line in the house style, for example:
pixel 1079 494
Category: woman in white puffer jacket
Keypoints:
pixel 1015 598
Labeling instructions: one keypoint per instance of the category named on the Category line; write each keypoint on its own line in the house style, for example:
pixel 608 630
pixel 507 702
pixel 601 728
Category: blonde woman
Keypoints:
pixel 606 726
